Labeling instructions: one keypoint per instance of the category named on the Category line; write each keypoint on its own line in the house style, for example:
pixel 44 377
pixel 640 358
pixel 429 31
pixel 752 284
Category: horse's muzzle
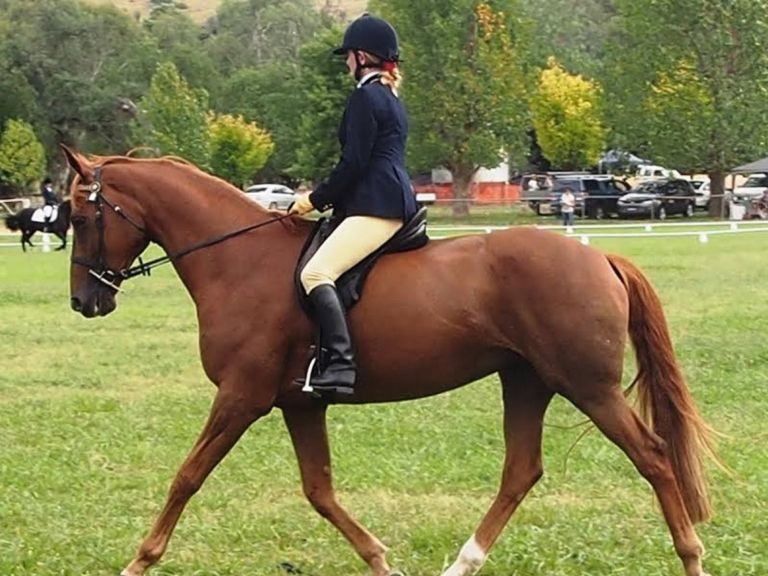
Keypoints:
pixel 98 303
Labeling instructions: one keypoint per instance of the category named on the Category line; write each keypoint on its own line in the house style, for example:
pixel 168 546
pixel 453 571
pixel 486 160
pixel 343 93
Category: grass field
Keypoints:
pixel 96 416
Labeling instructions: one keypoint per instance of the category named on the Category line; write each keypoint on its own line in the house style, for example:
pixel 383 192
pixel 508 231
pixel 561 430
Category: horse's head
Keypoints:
pixel 109 233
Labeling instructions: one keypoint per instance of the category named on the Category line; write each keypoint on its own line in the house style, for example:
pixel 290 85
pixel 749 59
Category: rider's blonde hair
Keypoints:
pixel 390 71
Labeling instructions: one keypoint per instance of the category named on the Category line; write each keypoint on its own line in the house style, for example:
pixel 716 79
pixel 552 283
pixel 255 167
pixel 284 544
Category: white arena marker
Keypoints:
pixel 569 229
pixel 585 240
pixel 734 226
pixel 648 228
pixel 703 238
pixel 488 230
pixel 46 242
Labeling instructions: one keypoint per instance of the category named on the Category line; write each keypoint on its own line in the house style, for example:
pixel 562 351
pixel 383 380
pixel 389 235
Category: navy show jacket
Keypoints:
pixel 370 178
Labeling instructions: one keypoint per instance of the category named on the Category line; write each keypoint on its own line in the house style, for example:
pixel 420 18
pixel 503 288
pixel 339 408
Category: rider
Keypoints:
pixel 50 200
pixel 369 189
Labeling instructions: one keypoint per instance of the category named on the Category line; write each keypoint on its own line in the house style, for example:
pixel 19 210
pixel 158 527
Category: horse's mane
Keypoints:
pixel 293 224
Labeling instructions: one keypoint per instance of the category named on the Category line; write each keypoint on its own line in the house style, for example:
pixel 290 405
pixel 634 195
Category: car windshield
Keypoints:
pixel 648 188
pixel 561 184
pixel 756 181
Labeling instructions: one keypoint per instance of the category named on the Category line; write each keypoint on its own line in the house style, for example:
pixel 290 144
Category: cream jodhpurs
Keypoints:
pixel 352 240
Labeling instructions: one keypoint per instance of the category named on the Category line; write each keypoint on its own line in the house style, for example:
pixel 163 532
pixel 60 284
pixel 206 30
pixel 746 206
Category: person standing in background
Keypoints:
pixel 567 206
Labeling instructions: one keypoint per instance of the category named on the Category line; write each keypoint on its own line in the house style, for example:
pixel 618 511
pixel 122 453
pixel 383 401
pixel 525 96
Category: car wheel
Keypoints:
pixel 273 205
pixel 662 213
pixel 688 210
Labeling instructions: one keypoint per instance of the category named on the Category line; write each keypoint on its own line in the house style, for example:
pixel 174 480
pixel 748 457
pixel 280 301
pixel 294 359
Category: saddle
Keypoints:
pixel 411 236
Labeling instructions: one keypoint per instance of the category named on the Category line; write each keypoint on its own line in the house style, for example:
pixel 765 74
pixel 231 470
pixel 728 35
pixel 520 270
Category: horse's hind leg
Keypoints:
pixel 229 418
pixel 306 426
pixel 63 238
pixel 525 402
pixel 612 414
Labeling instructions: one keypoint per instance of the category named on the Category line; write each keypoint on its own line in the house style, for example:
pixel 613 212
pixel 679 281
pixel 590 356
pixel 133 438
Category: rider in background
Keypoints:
pixel 369 189
pixel 50 200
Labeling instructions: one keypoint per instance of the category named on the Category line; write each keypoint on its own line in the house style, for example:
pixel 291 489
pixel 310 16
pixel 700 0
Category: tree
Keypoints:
pixel 238 148
pixel 22 156
pixel 271 95
pixel 175 117
pixel 250 33
pixel 576 32
pixel 78 60
pixel 566 118
pixel 325 86
pixel 688 83
pixel 462 89
pixel 183 41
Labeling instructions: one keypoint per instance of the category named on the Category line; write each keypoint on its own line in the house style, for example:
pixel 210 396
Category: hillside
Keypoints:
pixel 200 10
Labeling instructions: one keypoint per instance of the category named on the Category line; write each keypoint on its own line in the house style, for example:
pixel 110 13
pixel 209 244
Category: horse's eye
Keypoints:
pixel 78 221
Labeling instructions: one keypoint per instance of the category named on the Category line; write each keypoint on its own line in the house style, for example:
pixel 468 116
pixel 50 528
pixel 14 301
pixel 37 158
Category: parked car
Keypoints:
pixel 272 196
pixel 596 194
pixel 752 188
pixel 649 172
pixel 702 191
pixel 658 199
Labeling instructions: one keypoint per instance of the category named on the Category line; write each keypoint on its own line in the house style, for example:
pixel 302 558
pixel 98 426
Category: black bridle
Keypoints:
pixel 109 276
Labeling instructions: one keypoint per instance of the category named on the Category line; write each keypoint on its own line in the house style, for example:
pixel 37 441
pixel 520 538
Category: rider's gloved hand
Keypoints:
pixel 302 205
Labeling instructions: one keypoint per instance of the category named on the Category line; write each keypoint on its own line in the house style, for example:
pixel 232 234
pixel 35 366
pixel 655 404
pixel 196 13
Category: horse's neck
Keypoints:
pixel 188 211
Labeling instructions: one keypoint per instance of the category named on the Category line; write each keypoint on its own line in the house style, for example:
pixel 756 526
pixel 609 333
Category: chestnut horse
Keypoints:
pixel 430 320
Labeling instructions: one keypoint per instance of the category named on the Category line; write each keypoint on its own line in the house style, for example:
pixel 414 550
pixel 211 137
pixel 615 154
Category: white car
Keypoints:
pixel 703 193
pixel 272 196
pixel 753 187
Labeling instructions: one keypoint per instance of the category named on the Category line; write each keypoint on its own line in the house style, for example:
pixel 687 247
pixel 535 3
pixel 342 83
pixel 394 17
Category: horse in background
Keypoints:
pixel 23 221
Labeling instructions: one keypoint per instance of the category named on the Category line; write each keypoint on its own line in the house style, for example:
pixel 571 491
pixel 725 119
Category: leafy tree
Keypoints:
pixel 175 117
pixel 78 60
pixel 184 42
pixel 250 33
pixel 325 85
pixel 688 85
pixel 22 156
pixel 273 97
pixel 576 32
pixel 238 148
pixel 462 89
pixel 566 118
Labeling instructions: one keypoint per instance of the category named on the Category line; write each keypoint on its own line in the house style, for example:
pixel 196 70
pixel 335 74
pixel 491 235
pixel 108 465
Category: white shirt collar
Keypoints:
pixel 367 77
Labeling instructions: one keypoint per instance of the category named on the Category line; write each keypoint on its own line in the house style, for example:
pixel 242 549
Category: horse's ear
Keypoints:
pixel 77 162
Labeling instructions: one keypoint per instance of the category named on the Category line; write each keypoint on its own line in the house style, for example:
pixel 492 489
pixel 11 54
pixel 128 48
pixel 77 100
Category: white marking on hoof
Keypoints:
pixel 471 559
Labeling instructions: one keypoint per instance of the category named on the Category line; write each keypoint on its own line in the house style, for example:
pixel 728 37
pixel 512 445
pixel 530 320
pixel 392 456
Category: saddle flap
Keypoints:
pixel 412 235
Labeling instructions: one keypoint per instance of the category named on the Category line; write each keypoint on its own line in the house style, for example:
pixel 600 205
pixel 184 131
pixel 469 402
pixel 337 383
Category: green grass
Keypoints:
pixel 96 415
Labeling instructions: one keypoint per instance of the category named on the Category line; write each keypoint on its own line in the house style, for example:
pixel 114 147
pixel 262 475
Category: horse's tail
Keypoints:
pixel 665 401
pixel 13 222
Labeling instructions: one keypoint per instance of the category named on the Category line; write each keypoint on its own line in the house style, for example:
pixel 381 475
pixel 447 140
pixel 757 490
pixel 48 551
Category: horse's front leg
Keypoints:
pixel 63 238
pixel 230 416
pixel 306 425
pixel 26 239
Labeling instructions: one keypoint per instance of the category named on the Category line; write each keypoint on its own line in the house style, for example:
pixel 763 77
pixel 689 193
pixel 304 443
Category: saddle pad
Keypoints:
pixel 39 215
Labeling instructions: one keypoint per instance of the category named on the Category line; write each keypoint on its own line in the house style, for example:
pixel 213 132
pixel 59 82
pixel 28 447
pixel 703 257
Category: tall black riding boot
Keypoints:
pixel 340 371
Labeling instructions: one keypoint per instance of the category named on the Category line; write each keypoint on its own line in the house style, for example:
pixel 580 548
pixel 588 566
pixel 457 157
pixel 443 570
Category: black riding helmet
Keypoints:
pixel 373 35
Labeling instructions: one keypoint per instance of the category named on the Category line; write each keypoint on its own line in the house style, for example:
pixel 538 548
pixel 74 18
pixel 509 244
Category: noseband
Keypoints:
pixel 109 276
